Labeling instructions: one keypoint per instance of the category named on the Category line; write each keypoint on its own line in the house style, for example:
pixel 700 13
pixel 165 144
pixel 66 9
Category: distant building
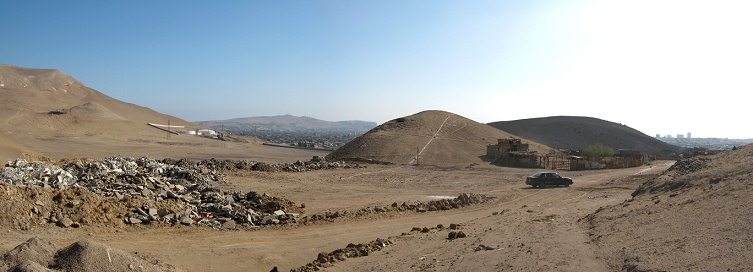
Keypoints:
pixel 680 136
pixel 689 135
pixel 669 136
pixel 658 135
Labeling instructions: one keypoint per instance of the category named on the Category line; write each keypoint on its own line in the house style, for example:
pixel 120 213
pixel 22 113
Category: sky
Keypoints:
pixel 662 67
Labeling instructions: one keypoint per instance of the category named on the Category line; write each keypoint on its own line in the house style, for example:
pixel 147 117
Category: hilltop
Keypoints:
pixel 698 211
pixel 49 113
pixel 287 123
pixel 574 132
pixel 442 138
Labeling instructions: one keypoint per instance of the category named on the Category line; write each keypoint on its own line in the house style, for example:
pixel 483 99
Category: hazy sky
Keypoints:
pixel 659 66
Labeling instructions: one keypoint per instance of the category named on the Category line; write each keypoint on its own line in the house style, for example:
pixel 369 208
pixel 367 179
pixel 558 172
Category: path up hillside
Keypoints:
pixel 441 138
pixel 699 211
pixel 574 132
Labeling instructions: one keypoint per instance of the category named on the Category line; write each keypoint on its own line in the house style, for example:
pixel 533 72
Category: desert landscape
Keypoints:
pixel 413 194
pixel 376 136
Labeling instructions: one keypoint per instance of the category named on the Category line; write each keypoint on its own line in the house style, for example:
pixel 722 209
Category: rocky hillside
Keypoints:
pixel 573 132
pixel 441 138
pixel 699 211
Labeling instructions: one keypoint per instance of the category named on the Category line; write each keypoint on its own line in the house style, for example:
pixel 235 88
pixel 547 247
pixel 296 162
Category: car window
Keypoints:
pixel 555 175
pixel 537 175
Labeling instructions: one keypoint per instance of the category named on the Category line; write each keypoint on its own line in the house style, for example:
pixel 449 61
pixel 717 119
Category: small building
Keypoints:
pixel 513 152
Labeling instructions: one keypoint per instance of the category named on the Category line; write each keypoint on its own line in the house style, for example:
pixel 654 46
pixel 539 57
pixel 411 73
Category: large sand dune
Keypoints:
pixel 441 138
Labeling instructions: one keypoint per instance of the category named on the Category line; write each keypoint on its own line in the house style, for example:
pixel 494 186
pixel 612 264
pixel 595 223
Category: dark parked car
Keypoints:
pixel 542 179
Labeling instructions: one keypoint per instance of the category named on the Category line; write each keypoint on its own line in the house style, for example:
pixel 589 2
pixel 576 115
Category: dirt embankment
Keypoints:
pixel 698 211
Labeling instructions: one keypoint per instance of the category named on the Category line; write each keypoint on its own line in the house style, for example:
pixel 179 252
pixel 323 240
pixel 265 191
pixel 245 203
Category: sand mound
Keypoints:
pixel 572 132
pixel 442 138
pixel 33 252
pixel 93 256
pixel 40 255
pixel 27 266
pixel 698 211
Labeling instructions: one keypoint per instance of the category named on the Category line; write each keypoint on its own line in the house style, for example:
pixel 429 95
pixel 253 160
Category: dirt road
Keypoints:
pixel 536 229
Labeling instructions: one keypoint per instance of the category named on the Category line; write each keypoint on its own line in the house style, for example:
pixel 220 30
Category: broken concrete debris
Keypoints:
pixel 193 187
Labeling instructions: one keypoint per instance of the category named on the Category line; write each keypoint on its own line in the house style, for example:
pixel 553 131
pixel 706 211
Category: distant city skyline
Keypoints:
pixel 656 66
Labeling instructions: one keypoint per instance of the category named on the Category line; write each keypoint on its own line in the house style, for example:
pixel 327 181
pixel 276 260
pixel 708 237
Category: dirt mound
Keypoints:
pixel 93 256
pixel 441 138
pixel 34 251
pixel 28 266
pixel 135 191
pixel 573 132
pixel 40 255
pixel 698 211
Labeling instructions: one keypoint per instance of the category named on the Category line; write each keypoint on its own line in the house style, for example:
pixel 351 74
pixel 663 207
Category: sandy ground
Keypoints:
pixel 537 229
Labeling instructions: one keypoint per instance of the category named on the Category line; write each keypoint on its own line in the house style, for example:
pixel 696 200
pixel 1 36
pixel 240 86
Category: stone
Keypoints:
pixel 162 212
pixel 65 222
pixel 133 220
pixel 279 213
pixel 483 247
pixel 186 220
pixel 461 234
pixel 453 226
pixel 269 220
pixel 452 235
pixel 229 225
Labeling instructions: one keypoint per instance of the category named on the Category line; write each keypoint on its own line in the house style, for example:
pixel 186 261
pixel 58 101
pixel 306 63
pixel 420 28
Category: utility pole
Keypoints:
pixel 417 155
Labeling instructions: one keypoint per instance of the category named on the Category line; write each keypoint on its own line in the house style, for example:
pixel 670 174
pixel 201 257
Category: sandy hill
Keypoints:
pixel 699 211
pixel 47 112
pixel 288 123
pixel 442 138
pixel 572 132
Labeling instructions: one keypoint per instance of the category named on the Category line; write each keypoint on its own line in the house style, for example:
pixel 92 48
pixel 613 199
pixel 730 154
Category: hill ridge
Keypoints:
pixel 440 137
pixel 578 132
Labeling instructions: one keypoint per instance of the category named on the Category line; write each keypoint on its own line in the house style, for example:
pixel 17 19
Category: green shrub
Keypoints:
pixel 598 151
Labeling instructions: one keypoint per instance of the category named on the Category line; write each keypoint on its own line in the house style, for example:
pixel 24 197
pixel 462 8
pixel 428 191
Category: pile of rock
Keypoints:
pixel 326 259
pixel 298 166
pixel 687 166
pixel 462 200
pixel 221 209
pixel 192 187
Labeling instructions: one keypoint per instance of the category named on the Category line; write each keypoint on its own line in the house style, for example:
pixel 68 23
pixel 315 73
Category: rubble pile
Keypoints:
pixel 326 259
pixel 234 165
pixel 192 188
pixel 435 205
pixel 687 166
